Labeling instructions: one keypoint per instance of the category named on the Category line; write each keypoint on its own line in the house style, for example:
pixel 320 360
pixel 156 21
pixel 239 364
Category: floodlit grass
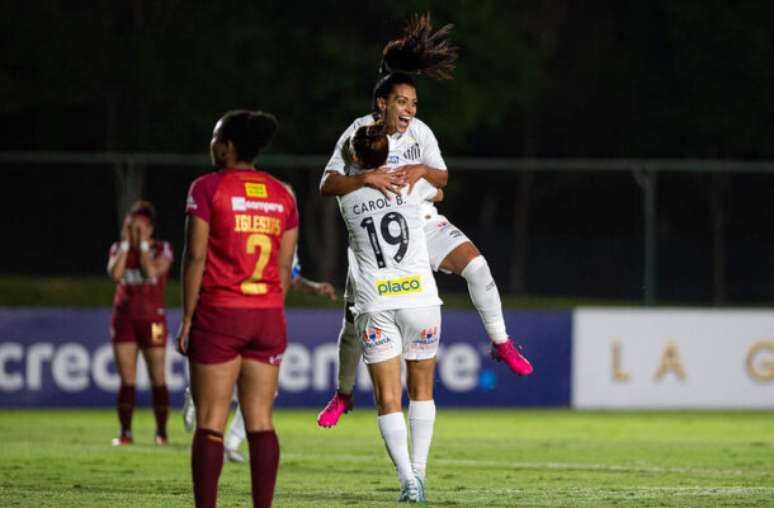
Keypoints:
pixel 479 458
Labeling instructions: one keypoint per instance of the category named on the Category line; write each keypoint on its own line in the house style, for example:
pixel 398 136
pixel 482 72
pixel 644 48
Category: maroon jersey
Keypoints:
pixel 248 212
pixel 138 297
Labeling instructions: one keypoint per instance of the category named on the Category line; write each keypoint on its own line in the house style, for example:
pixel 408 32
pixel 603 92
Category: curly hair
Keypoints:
pixel 250 131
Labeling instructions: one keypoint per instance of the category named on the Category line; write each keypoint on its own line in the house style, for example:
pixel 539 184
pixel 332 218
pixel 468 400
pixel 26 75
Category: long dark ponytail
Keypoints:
pixel 418 51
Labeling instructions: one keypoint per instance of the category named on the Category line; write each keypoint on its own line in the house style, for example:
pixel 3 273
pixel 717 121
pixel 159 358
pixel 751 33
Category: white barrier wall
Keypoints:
pixel 673 359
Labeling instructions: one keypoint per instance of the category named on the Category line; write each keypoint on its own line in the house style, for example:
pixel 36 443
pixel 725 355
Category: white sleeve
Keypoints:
pixel 424 190
pixel 339 160
pixel 431 152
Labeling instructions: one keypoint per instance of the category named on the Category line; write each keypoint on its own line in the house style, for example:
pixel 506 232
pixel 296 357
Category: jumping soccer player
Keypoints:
pixel 413 154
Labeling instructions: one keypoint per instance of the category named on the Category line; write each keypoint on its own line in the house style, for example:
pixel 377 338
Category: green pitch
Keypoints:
pixel 479 458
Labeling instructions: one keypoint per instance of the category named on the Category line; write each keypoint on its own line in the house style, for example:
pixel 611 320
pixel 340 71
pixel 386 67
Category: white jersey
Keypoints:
pixel 388 241
pixel 415 146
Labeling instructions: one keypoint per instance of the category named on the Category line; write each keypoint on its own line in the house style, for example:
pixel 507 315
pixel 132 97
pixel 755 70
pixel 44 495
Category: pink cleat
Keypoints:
pixel 329 416
pixel 508 352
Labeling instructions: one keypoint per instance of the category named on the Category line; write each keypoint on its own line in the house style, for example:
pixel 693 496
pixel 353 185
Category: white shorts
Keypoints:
pixel 414 333
pixel 442 238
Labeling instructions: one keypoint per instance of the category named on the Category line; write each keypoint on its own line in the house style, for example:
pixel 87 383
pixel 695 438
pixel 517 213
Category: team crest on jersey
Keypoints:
pixel 255 190
pixel 393 159
pixel 413 152
pixel 427 337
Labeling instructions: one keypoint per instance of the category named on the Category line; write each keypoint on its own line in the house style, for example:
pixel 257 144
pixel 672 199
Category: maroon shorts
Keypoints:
pixel 145 332
pixel 220 334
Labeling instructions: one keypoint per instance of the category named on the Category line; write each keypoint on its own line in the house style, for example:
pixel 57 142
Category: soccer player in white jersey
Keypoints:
pixel 396 308
pixel 413 154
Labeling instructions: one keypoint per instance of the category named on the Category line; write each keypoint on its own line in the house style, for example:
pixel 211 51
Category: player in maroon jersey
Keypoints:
pixel 139 264
pixel 241 232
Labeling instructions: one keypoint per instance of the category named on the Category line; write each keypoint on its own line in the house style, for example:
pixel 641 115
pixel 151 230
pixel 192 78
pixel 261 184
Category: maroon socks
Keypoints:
pixel 206 464
pixel 161 409
pixel 264 461
pixel 125 404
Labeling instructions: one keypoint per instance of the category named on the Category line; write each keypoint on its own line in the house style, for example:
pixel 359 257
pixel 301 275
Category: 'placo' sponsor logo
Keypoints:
pixel 256 190
pixel 397 287
pixel 240 204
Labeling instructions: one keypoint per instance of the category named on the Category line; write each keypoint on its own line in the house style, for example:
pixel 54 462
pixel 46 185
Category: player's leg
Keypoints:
pixel 451 251
pixel 257 386
pixel 125 350
pixel 382 349
pixel 234 437
pixel 154 359
pixel 421 329
pixel 349 350
pixel 421 413
pixel 189 410
pixel 349 356
pixel 211 385
pixel 153 343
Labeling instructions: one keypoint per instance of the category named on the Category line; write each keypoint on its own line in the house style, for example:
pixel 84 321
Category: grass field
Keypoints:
pixel 479 458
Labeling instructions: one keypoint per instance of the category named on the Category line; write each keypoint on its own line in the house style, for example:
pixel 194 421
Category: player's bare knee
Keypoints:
pixel 459 258
pixel 387 403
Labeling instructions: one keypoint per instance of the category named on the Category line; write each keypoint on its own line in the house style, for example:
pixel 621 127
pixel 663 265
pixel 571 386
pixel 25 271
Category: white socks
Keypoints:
pixel 349 356
pixel 421 421
pixel 393 429
pixel 236 432
pixel 486 298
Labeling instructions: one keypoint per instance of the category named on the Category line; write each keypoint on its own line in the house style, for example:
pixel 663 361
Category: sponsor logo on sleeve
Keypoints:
pixel 190 203
pixel 255 190
pixel 397 287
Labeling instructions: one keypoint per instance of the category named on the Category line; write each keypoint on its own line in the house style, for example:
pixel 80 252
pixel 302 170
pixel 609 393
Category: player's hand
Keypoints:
pixel 411 173
pixel 135 233
pixel 388 182
pixel 125 230
pixel 327 289
pixel 182 337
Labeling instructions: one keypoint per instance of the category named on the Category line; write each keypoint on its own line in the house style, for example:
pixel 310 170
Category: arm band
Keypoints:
pixel 123 246
pixel 144 246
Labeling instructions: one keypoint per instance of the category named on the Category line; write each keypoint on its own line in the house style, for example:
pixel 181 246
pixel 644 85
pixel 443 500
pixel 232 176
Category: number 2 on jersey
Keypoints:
pixel 401 239
pixel 253 286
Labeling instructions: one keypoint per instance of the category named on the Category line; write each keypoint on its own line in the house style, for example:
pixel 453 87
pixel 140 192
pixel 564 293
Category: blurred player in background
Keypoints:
pixel 236 430
pixel 241 232
pixel 396 307
pixel 413 154
pixel 139 264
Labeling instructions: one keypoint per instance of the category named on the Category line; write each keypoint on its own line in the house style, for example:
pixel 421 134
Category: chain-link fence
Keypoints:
pixel 650 231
